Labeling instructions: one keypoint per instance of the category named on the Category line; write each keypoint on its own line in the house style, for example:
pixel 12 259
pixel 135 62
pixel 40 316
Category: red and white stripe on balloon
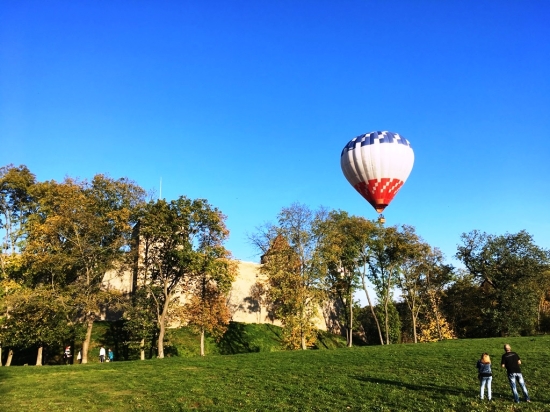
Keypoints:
pixel 377 164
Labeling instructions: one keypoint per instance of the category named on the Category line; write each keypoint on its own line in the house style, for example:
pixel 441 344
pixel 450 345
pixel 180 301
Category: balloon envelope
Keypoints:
pixel 377 164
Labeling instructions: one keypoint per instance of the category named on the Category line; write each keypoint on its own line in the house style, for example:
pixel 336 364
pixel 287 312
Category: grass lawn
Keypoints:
pixel 425 377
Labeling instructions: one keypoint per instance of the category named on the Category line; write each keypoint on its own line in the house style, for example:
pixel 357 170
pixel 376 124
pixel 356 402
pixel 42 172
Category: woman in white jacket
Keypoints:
pixel 102 354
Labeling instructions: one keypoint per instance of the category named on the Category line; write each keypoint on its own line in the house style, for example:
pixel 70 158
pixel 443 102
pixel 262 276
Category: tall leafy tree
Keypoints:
pixel 37 319
pixel 206 308
pixel 464 305
pixel 179 242
pixel 81 229
pixel 512 267
pixel 412 281
pixel 386 250
pixel 9 289
pixel 292 265
pixel 140 320
pixel 16 204
pixel 342 240
pixel 422 278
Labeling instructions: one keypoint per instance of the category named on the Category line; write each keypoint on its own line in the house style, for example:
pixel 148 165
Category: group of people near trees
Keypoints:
pixel 511 361
pixel 108 356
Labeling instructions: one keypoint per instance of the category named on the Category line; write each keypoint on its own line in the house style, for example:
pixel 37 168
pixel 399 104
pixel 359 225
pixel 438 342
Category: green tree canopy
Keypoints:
pixel 511 267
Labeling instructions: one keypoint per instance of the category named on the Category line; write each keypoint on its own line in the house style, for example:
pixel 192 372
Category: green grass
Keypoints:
pixel 424 377
pixel 239 338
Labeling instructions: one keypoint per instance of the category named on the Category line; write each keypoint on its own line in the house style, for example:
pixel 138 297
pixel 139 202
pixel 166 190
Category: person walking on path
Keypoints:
pixel 485 375
pixel 511 361
pixel 110 355
pixel 102 354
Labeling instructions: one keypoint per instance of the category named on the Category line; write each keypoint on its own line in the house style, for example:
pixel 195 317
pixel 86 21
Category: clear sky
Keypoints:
pixel 249 103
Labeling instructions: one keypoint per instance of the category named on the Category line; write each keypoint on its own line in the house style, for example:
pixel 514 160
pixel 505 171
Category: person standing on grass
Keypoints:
pixel 102 354
pixel 79 356
pixel 110 355
pixel 67 355
pixel 511 361
pixel 485 375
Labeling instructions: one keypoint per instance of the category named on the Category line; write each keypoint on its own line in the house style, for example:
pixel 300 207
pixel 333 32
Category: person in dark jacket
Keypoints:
pixel 485 375
pixel 511 361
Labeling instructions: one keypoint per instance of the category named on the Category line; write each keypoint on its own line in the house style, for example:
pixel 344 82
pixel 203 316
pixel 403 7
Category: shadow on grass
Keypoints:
pixel 235 340
pixel 247 338
pixel 438 389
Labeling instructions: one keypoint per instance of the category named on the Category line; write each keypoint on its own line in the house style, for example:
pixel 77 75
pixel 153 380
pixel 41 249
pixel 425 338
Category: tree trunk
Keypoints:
pixel 304 344
pixel 1 364
pixel 350 329
pixel 202 342
pixel 142 349
pixel 539 311
pixel 414 328
pixel 372 309
pixel 437 322
pixel 387 321
pixel 162 323
pixel 162 331
pixel 10 357
pixel 86 343
pixel 437 318
pixel 160 341
pixel 39 357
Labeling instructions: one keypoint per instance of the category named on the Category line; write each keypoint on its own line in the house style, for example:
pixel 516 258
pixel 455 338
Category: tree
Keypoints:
pixel 345 251
pixel 16 204
pixel 141 321
pixel 438 277
pixel 8 288
pixel 36 319
pixel 384 253
pixel 291 263
pixel 206 308
pixel 412 281
pixel 464 303
pixel 422 278
pixel 512 267
pixel 179 242
pixel 80 231
pixel 342 239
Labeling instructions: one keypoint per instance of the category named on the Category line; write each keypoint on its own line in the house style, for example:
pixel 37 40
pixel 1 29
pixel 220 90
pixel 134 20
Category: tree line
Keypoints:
pixel 59 239
pixel 318 260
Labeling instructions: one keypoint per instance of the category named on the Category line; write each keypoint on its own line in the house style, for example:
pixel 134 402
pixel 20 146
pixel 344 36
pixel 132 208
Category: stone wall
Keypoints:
pixel 243 307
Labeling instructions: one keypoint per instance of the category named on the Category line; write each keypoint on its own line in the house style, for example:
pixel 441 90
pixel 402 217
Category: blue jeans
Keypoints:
pixel 485 381
pixel 512 378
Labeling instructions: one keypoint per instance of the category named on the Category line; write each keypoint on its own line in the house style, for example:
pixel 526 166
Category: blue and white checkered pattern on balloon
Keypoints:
pixel 376 138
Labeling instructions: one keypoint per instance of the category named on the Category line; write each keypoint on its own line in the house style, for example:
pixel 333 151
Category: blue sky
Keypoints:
pixel 249 103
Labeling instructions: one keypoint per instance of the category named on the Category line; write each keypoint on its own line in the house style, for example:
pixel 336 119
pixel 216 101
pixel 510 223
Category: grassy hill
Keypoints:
pixel 239 338
pixel 425 377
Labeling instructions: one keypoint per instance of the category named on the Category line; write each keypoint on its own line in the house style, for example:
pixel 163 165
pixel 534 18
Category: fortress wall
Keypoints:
pixel 243 308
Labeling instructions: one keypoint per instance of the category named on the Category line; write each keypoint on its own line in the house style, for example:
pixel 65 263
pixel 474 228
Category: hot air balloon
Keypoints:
pixel 377 164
